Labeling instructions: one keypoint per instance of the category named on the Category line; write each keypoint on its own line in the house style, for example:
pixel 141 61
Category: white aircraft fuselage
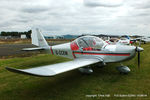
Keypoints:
pixel 108 52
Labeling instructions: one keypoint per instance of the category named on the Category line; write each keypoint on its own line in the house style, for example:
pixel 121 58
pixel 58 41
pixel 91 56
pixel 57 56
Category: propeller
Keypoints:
pixel 138 59
pixel 140 42
pixel 138 50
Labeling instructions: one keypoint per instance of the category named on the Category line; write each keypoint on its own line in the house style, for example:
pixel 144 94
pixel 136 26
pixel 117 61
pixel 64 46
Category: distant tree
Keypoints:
pixel 28 34
pixel 3 33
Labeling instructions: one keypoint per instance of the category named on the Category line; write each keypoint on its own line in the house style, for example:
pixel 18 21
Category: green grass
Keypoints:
pixel 73 85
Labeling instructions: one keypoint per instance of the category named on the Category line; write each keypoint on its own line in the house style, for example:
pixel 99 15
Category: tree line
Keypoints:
pixel 17 34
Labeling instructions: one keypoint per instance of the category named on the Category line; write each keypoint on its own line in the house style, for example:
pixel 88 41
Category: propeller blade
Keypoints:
pixel 140 42
pixel 138 50
pixel 138 59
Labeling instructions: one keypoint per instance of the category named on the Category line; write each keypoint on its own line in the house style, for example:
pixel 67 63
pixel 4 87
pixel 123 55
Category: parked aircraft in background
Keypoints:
pixel 131 39
pixel 124 41
pixel 84 51
pixel 143 39
pixel 121 41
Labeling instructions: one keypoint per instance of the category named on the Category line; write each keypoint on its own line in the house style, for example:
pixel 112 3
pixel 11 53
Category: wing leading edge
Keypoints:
pixel 52 70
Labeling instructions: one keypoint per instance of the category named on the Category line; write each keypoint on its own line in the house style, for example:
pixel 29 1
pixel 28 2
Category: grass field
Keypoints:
pixel 73 85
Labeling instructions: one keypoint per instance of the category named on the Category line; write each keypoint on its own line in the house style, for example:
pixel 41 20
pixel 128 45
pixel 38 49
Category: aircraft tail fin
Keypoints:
pixel 38 38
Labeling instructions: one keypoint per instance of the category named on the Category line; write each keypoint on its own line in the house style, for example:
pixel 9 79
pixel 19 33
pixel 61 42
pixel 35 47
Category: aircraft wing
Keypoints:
pixel 51 70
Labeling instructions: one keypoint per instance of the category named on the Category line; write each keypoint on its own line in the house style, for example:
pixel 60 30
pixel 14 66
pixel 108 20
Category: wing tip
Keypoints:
pixel 25 73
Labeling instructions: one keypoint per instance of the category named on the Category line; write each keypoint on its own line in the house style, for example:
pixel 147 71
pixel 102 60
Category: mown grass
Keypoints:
pixel 73 85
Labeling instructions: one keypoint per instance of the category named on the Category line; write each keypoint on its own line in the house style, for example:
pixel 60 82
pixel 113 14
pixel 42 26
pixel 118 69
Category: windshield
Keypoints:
pixel 90 43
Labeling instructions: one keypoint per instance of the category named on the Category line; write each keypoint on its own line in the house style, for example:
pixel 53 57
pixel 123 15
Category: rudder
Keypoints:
pixel 38 38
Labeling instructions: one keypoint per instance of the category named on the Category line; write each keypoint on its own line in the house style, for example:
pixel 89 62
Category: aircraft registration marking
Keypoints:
pixel 61 52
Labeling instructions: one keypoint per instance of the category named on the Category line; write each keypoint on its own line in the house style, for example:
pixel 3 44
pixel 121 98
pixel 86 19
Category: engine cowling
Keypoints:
pixel 86 70
pixel 123 69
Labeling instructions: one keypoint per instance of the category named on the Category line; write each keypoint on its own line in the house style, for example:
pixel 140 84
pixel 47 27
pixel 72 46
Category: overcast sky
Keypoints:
pixel 76 16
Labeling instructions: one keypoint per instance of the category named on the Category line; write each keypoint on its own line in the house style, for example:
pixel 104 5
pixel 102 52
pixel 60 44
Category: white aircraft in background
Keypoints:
pixel 84 51
pixel 144 39
pixel 124 41
pixel 132 40
pixel 121 41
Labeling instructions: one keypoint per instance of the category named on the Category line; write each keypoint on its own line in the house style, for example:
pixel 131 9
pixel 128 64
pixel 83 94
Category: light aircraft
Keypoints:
pixel 124 41
pixel 131 39
pixel 84 51
pixel 144 39
pixel 121 41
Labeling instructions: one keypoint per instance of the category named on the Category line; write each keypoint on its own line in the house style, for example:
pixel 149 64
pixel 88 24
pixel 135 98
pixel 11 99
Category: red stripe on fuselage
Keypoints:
pixel 102 54
pixel 51 50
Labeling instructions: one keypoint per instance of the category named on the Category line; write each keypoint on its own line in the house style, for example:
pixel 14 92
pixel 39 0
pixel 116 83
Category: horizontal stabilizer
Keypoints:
pixel 33 49
pixel 51 70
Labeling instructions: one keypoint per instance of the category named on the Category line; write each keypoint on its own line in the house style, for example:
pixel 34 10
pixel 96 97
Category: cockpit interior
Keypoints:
pixel 87 43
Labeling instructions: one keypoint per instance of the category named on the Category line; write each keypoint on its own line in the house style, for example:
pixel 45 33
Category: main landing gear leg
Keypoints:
pixel 86 70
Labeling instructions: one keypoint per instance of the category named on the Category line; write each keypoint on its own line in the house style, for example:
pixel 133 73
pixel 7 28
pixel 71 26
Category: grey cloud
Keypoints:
pixel 139 13
pixel 75 16
pixel 98 3
pixel 21 20
pixel 139 4
pixel 143 14
pixel 34 9
pixel 53 27
pixel 88 4
pixel 143 6
pixel 5 24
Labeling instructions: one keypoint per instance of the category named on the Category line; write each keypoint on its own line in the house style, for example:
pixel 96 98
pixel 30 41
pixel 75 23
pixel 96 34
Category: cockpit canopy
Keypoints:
pixel 87 43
